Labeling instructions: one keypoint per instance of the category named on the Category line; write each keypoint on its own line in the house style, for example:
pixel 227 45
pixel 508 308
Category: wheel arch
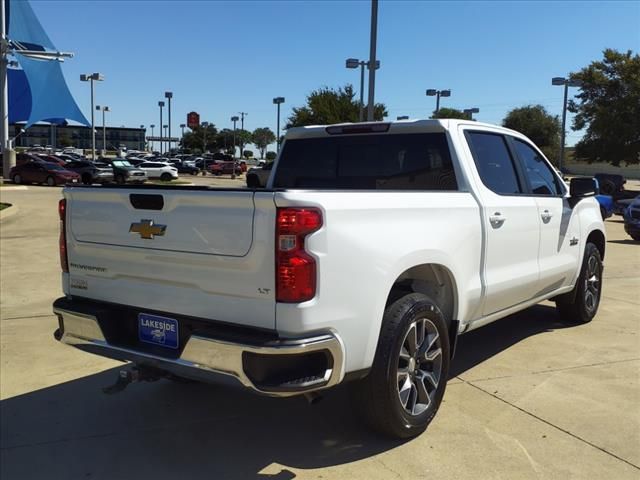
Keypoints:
pixel 598 239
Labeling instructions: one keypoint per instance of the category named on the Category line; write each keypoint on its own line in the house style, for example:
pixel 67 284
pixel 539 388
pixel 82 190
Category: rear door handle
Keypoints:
pixel 497 219
pixel 546 216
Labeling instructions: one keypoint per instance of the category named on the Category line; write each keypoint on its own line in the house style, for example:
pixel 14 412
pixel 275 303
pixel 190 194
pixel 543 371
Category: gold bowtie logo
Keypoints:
pixel 147 229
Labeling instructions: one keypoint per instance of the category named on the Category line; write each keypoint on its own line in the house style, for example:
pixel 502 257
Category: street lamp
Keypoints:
pixel 204 126
pixel 151 142
pixel 92 77
pixel 470 111
pixel 167 151
pixel 566 83
pixel 277 101
pixel 142 137
pixel 104 130
pixel 161 104
pixel 355 63
pixel 182 126
pixel 431 92
pixel 169 96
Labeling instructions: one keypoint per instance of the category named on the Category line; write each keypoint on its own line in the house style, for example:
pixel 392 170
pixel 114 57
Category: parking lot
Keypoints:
pixel 529 397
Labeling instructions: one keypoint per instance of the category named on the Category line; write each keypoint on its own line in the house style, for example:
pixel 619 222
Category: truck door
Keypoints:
pixel 511 224
pixel 559 250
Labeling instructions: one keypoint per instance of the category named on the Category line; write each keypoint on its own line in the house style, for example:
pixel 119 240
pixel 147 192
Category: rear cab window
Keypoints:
pixel 387 161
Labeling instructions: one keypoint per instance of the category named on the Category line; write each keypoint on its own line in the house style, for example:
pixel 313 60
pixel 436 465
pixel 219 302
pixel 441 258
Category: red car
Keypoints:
pixel 42 172
pixel 219 168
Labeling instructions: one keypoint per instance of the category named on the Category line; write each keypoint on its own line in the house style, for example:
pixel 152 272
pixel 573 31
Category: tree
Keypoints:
pixel 262 138
pixel 271 156
pixel 200 139
pixel 541 127
pixel 608 106
pixel 247 154
pixel 450 113
pixel 326 106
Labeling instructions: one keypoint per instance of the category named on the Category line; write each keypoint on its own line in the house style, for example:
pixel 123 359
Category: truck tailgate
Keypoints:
pixel 192 252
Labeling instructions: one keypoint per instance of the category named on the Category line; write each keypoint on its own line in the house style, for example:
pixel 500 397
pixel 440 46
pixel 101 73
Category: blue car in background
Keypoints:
pixel 606 205
pixel 632 219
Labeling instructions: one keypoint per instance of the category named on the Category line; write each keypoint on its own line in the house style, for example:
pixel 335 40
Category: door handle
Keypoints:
pixel 546 216
pixel 497 220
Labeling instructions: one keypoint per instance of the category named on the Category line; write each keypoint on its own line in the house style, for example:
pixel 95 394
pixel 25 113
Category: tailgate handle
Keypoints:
pixel 146 202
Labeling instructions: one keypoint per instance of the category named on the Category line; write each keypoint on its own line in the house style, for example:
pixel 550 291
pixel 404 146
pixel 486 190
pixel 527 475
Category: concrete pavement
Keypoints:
pixel 529 397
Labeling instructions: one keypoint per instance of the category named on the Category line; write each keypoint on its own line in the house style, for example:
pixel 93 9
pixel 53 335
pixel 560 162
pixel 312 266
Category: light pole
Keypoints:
pixel 104 130
pixel 470 111
pixel 234 119
pixel 372 64
pixel 167 151
pixel 142 137
pixel 160 104
pixel 93 77
pixel 169 96
pixel 242 114
pixel 355 63
pixel 438 93
pixel 566 82
pixel 151 143
pixel 277 101
pixel 182 125
pixel 204 125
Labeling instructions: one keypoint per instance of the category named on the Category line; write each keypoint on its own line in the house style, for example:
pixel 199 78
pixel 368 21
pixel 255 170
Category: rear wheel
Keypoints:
pixel 404 389
pixel 51 181
pixel 17 179
pixel 581 304
pixel 87 179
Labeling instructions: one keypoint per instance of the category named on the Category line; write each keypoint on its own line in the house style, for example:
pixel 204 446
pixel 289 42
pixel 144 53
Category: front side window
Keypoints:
pixel 414 161
pixel 541 178
pixel 494 162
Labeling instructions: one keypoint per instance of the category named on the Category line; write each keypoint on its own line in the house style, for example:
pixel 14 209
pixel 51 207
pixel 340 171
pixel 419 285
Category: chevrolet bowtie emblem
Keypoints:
pixel 147 229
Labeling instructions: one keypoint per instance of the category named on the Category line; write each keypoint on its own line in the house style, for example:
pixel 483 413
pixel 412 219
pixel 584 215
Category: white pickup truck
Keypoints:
pixel 371 249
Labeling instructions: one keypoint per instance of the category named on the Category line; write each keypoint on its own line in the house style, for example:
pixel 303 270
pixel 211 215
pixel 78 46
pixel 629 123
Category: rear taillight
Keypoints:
pixel 62 211
pixel 295 268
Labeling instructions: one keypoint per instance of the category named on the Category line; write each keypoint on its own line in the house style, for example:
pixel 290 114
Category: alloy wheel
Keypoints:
pixel 592 284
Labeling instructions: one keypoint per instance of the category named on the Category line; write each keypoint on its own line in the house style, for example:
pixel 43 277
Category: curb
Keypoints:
pixel 13 188
pixel 8 212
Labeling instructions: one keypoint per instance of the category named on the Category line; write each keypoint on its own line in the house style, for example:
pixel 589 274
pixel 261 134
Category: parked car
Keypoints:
pixel 124 172
pixel 225 168
pixel 89 172
pixel 632 219
pixel 257 176
pixel 376 245
pixel 619 206
pixel 159 170
pixel 183 167
pixel 42 172
pixel 606 205
pixel 610 184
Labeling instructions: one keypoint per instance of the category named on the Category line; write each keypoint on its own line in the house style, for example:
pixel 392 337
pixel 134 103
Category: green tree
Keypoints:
pixel 200 139
pixel 262 138
pixel 326 106
pixel 608 106
pixel 271 156
pixel 450 113
pixel 536 123
pixel 247 154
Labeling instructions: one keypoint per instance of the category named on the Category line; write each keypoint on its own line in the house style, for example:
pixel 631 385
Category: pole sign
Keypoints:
pixel 193 120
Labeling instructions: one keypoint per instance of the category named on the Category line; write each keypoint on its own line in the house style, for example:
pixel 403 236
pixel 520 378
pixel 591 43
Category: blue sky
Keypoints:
pixel 220 58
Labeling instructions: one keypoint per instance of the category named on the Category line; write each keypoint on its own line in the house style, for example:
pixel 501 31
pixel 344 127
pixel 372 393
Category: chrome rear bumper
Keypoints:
pixel 206 358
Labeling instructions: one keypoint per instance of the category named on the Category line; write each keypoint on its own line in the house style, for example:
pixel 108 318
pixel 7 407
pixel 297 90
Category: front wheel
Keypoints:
pixel 581 304
pixel 51 181
pixel 165 177
pixel 404 389
pixel 17 179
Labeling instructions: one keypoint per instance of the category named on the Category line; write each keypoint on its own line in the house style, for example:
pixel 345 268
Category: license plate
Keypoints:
pixel 158 330
pixel 75 180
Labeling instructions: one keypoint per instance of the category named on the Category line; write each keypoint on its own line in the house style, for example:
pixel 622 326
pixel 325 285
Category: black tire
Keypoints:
pixel 253 181
pixel 51 181
pixel 17 179
pixel 165 177
pixel 581 304
pixel 378 396
pixel 87 179
pixel 120 180
pixel 635 237
pixel 607 187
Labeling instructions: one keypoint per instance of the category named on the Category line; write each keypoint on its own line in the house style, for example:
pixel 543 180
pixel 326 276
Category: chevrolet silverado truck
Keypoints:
pixel 371 249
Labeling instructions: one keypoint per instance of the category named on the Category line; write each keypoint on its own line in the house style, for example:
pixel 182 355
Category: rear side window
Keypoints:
pixel 541 178
pixel 416 161
pixel 494 162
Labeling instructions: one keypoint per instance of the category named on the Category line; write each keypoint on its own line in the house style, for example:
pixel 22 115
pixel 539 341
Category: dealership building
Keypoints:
pixel 76 136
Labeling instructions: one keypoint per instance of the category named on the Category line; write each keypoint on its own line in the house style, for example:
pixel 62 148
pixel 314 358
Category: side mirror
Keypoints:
pixel 583 187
